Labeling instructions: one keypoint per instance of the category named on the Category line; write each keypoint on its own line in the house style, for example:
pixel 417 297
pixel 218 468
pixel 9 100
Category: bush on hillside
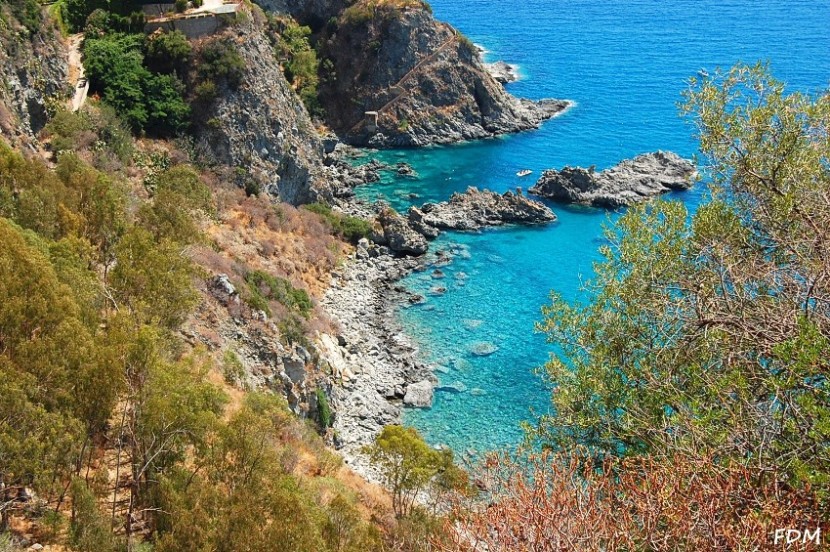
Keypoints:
pixel 147 101
pixel 348 227
pixel 168 52
pixel 221 63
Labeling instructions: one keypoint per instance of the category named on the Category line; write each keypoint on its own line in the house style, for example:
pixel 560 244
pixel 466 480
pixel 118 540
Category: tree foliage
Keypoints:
pixel 409 466
pixel 708 333
pixel 299 60
pixel 168 52
pixel 147 101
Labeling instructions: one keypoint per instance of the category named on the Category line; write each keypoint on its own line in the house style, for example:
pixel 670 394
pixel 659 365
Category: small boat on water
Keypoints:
pixel 524 172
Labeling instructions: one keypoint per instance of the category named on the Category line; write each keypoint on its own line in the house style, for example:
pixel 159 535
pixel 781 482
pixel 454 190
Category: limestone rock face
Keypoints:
pixel 475 209
pixel 421 81
pixel 629 182
pixel 263 127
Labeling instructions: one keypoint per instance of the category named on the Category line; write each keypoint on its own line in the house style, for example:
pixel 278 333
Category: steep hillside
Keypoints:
pixel 33 66
pixel 261 125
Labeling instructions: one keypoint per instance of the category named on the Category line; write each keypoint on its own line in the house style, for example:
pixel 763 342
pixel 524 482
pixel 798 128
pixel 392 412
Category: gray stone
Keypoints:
pixel 419 395
pixel 396 233
pixel 628 182
pixel 475 209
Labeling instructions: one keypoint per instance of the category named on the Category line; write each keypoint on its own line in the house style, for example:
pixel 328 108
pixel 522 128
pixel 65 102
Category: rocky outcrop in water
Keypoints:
pixel 34 70
pixel 629 182
pixel 475 209
pixel 262 126
pixel 395 232
pixel 502 72
pixel 397 77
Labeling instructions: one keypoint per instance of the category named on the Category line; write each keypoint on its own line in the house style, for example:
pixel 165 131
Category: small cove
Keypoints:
pixel 625 64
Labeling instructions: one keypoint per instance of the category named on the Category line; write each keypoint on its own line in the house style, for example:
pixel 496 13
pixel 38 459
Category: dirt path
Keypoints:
pixel 76 74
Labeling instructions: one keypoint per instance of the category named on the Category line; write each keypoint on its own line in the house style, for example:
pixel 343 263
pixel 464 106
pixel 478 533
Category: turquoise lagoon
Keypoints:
pixel 625 64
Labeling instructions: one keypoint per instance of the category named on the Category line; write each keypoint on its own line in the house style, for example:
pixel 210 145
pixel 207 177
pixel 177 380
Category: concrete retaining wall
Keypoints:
pixel 192 26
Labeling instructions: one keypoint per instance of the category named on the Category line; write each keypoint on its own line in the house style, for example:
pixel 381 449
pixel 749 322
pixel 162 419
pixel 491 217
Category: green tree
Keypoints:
pixel 148 101
pixel 710 333
pixel 168 52
pixel 408 465
pixel 153 278
pixel 241 498
pixel 56 390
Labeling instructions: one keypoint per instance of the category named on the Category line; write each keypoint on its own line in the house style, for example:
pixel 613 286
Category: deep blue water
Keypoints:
pixel 625 63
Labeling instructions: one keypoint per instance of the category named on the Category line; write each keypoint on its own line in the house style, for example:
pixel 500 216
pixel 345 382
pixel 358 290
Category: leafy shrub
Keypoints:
pixel 90 530
pixel 232 368
pixel 265 287
pixel 181 6
pixel 348 227
pixel 27 12
pixel 168 52
pixel 147 101
pixel 99 130
pixel 299 60
pixel 323 408
pixel 221 63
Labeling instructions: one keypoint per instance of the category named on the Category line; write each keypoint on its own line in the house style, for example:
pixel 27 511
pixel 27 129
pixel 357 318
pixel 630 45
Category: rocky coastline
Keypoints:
pixel 476 209
pixel 373 362
pixel 629 182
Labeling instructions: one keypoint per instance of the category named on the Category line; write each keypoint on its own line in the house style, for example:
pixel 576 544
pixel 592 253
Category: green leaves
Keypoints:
pixel 409 465
pixel 708 333
pixel 153 279
pixel 148 101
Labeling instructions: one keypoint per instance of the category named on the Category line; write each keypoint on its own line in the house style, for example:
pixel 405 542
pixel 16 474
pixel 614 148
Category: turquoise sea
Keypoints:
pixel 625 63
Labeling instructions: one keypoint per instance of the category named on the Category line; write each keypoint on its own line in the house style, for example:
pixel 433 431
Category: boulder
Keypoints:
pixel 629 182
pixel 396 233
pixel 419 395
pixel 475 209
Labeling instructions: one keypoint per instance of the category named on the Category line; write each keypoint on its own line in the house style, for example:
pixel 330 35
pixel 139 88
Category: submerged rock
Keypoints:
pixel 483 348
pixel 475 209
pixel 629 182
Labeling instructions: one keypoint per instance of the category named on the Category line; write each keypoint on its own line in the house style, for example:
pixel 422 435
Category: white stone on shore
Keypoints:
pixel 419 395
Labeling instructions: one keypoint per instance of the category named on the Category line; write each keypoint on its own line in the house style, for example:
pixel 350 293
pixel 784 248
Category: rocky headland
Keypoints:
pixel 626 183
pixel 476 209
pixel 396 77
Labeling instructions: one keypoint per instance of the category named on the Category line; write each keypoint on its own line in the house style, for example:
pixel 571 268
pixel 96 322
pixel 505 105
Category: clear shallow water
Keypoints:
pixel 625 64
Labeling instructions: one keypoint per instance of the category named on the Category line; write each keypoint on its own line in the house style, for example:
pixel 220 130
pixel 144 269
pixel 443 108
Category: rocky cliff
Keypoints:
pixel 262 126
pixel 398 77
pixel 391 75
pixel 34 72
pixel 628 182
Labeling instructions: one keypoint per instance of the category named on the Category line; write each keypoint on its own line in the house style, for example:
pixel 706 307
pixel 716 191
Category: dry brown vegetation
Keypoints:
pixel 564 502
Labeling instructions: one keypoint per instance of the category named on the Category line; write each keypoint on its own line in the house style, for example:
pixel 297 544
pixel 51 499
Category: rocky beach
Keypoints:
pixel 375 362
